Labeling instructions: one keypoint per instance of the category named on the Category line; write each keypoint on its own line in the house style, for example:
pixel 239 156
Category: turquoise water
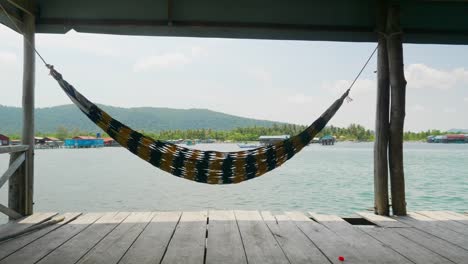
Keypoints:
pixel 329 179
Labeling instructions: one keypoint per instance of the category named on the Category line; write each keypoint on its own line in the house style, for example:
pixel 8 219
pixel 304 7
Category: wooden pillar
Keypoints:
pixel 397 110
pixel 21 185
pixel 381 119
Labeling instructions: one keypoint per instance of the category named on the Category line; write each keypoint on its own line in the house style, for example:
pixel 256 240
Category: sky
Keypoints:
pixel 287 81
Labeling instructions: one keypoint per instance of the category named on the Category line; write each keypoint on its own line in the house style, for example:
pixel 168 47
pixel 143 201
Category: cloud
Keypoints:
pixel 417 108
pixel 101 45
pixel 8 58
pixel 300 99
pixel 363 86
pixel 450 110
pixel 163 61
pixel 420 76
pixel 196 51
pixel 261 75
pixel 465 99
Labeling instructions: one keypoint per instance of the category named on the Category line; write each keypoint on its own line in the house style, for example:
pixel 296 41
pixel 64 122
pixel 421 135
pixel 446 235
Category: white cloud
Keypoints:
pixel 8 58
pixel 450 110
pixel 465 99
pixel 420 76
pixel 163 61
pixel 261 75
pixel 197 51
pixel 417 108
pixel 363 86
pixel 300 99
pixel 96 44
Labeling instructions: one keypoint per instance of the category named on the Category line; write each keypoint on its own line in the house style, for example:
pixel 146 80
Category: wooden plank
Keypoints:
pixel 26 222
pixel 446 220
pixel 13 149
pixel 11 169
pixel 224 243
pixel 327 241
pixel 435 244
pixel 188 243
pixel 10 213
pixel 116 243
pixel 259 243
pixel 297 247
pixel 461 218
pixel 10 246
pixel 381 221
pixel 41 247
pixel 366 245
pixel 152 243
pixel 425 224
pixel 411 250
pixel 75 248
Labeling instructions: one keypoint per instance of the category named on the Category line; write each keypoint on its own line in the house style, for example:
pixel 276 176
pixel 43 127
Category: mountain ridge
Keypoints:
pixel 154 119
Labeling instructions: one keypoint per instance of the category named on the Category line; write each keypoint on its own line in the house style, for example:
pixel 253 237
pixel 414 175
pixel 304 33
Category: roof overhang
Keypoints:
pixel 423 21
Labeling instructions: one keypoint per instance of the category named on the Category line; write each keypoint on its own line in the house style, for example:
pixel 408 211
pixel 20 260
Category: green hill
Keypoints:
pixel 140 118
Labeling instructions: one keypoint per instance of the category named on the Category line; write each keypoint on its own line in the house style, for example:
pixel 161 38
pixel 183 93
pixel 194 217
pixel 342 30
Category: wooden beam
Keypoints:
pixel 10 213
pixel 26 6
pixel 13 149
pixel 21 184
pixel 397 110
pixel 381 119
pixel 13 167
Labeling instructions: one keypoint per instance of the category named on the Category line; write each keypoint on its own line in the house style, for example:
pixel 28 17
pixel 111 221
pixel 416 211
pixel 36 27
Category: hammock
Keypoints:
pixel 210 167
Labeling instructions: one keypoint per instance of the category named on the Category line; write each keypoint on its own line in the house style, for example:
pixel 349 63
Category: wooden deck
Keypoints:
pixel 235 237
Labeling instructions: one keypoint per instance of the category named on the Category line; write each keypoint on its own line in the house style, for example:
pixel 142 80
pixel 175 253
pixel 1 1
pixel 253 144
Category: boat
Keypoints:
pixel 246 145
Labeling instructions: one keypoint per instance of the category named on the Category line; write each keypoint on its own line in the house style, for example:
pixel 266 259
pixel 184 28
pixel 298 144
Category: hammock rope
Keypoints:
pixel 210 167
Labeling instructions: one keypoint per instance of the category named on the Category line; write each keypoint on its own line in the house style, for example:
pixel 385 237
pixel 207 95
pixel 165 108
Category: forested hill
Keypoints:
pixel 140 118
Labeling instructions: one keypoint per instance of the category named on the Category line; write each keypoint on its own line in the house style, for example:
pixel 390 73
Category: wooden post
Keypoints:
pixel 381 119
pixel 397 110
pixel 20 197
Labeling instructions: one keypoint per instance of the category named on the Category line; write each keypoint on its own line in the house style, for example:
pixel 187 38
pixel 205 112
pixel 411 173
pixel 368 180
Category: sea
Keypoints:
pixel 326 179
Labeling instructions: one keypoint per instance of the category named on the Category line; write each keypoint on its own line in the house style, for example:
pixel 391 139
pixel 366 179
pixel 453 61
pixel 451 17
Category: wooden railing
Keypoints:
pixel 17 160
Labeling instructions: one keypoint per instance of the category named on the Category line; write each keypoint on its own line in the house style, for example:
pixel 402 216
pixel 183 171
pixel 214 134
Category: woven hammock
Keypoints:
pixel 210 167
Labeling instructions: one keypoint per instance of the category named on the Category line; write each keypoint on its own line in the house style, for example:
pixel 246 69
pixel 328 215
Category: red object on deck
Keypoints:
pixel 341 258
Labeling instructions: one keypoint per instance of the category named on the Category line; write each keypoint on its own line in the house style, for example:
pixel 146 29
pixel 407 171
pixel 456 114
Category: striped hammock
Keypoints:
pixel 210 167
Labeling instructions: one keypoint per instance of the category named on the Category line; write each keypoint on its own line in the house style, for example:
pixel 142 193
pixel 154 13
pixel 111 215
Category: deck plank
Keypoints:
pixel 111 249
pixel 297 247
pixel 75 248
pixel 327 241
pixel 188 242
pixel 10 246
pixel 46 244
pixel 23 223
pixel 446 220
pixel 224 243
pixel 435 244
pixel 461 218
pixel 259 243
pixel 381 221
pixel 425 224
pixel 366 245
pixel 411 250
pixel 152 243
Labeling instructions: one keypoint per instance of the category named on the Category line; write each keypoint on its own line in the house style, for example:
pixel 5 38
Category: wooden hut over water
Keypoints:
pixel 388 23
pixel 4 140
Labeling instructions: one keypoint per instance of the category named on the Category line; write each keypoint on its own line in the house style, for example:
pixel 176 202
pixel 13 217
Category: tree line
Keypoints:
pixel 353 132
